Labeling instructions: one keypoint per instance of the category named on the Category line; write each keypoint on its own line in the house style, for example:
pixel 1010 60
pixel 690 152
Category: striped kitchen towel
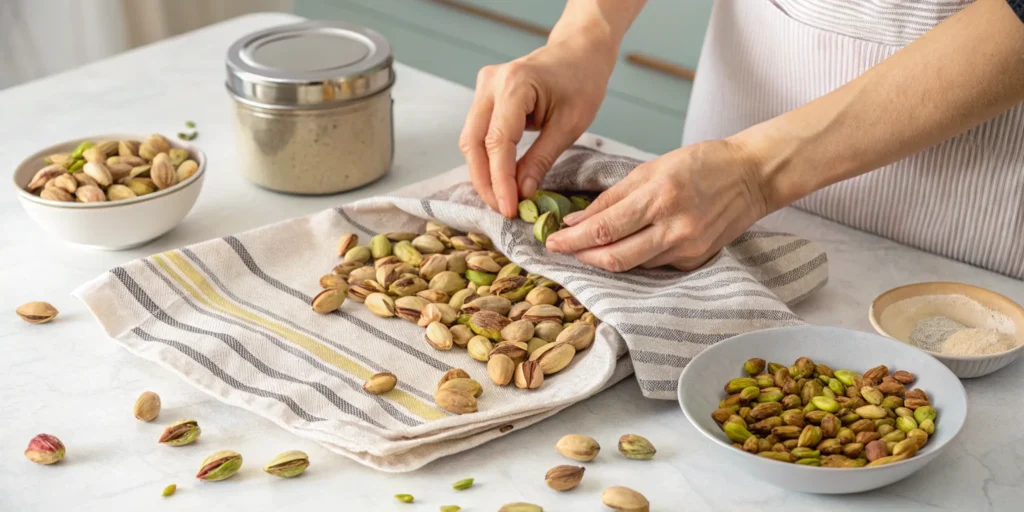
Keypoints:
pixel 232 317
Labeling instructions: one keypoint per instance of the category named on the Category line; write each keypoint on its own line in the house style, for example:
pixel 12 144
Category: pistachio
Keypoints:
pixel 533 345
pixel 456 401
pixel 518 310
pixel 44 175
pixel 499 305
pixel 579 335
pixel 128 148
pixel 480 278
pixel 520 507
pixel 810 436
pixel 379 304
pixel 407 286
pixel 483 263
pixel 328 300
pixel 625 499
pixel 572 309
pixel 528 375
pixel 488 323
pixel 37 312
pixel 289 464
pixel 161 172
pixel 346 243
pixel 45 449
pixel 871 412
pixel 465 385
pixel 433 265
pixel 405 498
pixel 333 281
pixel 400 236
pixel 147 406
pixel 514 288
pixel 919 436
pixel 83 179
pixel 518 331
pixel 439 337
pixel 430 314
pixel 514 350
pixel 169 490
pixel 157 142
pixel 90 194
pixel 578 447
pixel 479 348
pixel 928 426
pixel 906 423
pixel 564 478
pixel 427 244
pixel 553 357
pixel 762 411
pixel 219 466
pixel 461 334
pixel 186 170
pixel 407 253
pixel 548 330
pixel 454 373
pixel 180 433
pixel 543 312
pixel 546 224
pixel 410 307
pixel 528 210
pixel 637 447
pixel 448 282
pixel 140 187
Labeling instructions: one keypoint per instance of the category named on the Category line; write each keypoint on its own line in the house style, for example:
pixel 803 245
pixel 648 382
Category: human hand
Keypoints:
pixel 557 89
pixel 679 209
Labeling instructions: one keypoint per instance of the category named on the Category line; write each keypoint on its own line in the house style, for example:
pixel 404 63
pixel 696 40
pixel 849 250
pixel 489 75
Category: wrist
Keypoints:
pixel 592 37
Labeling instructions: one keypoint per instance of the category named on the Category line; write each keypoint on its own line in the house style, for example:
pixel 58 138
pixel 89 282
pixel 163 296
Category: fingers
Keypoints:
pixel 505 131
pixel 627 253
pixel 615 223
pixel 471 142
pixel 538 160
pixel 606 199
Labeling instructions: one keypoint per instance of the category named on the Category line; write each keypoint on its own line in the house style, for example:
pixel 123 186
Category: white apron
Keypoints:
pixel 963 199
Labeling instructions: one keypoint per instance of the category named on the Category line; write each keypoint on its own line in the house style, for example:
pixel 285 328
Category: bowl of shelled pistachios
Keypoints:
pixel 111 192
pixel 823 409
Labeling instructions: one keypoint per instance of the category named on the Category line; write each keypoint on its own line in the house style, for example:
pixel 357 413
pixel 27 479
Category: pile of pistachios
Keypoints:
pixel 546 209
pixel 112 171
pixel 466 295
pixel 811 415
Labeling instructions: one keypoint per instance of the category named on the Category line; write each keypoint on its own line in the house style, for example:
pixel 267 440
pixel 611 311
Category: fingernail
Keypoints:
pixel 529 186
pixel 572 218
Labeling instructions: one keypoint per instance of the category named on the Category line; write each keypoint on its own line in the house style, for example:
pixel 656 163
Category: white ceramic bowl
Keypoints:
pixel 111 225
pixel 700 390
pixel 965 367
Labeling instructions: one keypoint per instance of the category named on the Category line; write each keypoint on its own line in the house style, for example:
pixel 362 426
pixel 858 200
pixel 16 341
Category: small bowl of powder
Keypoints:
pixel 972 330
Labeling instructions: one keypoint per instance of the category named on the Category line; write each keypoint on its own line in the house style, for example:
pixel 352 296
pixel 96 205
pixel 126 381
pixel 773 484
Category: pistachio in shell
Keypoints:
pixel 37 312
pixel 289 464
pixel 220 466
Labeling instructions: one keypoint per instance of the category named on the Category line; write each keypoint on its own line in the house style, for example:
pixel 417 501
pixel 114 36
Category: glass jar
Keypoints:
pixel 313 107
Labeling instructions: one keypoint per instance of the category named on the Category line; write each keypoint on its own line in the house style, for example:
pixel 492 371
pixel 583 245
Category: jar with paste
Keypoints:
pixel 313 107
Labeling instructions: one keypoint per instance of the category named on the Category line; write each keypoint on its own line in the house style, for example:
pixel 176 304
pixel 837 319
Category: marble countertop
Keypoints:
pixel 66 378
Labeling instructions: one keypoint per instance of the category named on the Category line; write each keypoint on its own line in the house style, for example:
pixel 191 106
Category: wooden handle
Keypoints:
pixel 662 66
pixel 498 17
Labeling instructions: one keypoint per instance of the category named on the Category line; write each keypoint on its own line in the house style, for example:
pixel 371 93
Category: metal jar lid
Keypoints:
pixel 309 64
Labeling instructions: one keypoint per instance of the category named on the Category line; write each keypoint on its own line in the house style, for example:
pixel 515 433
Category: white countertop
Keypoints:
pixel 66 378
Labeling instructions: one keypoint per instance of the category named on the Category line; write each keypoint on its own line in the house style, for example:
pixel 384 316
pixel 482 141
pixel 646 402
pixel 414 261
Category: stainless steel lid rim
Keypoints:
pixel 307 64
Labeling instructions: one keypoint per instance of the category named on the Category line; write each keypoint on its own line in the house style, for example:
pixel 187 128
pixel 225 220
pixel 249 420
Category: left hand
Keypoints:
pixel 679 209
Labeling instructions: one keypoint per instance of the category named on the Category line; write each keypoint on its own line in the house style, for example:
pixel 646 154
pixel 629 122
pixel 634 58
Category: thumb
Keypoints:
pixel 554 139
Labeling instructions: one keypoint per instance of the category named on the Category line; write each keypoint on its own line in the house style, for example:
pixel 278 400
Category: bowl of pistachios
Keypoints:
pixel 111 192
pixel 823 409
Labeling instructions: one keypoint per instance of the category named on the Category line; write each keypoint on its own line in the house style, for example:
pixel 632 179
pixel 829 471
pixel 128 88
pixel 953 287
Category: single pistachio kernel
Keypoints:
pixel 147 406
pixel 169 490
pixel 463 484
pixel 520 507
pixel 405 498
pixel 450 508
pixel 636 447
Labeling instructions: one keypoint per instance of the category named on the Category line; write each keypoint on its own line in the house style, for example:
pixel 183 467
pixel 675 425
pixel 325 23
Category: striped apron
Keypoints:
pixel 963 198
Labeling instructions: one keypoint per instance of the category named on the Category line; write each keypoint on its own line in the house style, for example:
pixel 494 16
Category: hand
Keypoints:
pixel 679 209
pixel 557 89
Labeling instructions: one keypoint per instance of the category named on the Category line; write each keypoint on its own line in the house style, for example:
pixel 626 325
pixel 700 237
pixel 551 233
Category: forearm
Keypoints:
pixel 965 71
pixel 600 23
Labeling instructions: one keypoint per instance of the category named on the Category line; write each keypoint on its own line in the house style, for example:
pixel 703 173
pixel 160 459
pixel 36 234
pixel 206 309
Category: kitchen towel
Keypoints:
pixel 232 317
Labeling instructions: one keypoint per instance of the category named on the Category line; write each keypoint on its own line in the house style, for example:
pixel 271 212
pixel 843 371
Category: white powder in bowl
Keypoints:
pixel 977 342
pixel 951 324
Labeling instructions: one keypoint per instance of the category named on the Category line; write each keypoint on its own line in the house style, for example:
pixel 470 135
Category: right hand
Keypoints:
pixel 557 89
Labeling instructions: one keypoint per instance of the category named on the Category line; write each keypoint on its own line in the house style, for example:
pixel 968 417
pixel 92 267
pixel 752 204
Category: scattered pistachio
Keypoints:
pixel 169 490
pixel 45 449
pixel 147 406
